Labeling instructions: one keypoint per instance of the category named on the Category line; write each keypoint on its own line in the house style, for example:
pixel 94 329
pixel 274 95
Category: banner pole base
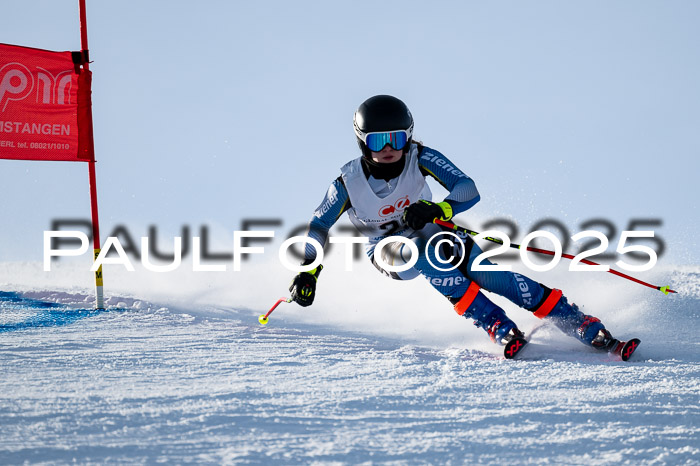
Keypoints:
pixel 99 298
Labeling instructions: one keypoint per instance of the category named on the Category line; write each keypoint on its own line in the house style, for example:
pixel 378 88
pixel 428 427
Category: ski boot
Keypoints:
pixel 500 328
pixel 624 349
pixel 555 308
pixel 588 329
pixel 491 318
pixel 507 334
pixel 504 332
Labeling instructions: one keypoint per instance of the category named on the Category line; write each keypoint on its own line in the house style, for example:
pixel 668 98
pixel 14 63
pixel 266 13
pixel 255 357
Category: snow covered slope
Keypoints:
pixel 143 382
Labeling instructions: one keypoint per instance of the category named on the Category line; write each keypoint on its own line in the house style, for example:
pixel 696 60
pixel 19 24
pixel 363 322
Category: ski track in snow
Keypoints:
pixel 143 383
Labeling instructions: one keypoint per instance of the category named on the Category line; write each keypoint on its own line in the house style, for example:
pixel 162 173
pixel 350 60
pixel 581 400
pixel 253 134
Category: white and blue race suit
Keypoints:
pixel 375 207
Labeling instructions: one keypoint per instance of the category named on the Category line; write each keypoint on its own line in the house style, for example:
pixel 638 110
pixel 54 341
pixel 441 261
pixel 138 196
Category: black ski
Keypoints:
pixel 622 349
pixel 625 349
pixel 513 347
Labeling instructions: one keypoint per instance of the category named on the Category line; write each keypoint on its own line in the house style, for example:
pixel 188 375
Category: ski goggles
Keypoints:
pixel 396 139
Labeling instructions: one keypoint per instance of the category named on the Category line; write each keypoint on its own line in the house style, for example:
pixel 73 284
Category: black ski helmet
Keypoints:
pixel 382 113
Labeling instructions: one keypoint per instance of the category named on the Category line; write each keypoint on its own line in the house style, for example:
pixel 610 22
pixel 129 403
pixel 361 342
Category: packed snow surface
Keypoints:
pixel 146 383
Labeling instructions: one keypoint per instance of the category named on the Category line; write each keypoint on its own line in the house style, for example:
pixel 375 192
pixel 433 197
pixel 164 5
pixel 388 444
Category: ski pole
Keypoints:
pixel 263 319
pixel 664 289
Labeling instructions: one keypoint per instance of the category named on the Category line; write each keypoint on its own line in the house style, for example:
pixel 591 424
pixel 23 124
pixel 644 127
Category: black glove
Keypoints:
pixel 303 286
pixel 420 213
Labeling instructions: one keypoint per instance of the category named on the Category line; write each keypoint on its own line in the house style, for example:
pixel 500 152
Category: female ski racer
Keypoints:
pixel 385 194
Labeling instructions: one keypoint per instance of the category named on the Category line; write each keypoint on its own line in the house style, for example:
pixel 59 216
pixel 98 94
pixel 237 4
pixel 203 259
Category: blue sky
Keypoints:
pixel 207 113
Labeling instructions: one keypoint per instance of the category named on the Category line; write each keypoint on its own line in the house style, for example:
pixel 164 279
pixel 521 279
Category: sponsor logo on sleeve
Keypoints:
pixel 443 164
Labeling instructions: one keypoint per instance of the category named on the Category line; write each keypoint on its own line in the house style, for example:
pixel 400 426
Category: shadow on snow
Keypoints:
pixel 18 312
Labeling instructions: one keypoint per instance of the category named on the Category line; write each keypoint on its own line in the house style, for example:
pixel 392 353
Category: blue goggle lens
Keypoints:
pixel 377 141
